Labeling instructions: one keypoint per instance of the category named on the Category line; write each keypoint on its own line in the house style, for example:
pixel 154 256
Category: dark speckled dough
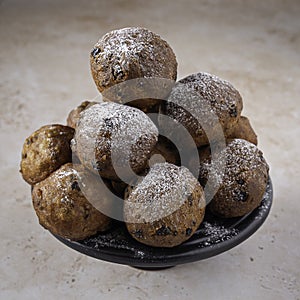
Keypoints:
pixel 205 97
pixel 45 151
pixel 132 53
pixel 244 178
pixel 107 128
pixel 63 209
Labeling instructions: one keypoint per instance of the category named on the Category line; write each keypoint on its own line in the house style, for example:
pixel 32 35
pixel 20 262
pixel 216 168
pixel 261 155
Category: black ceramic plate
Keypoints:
pixel 214 236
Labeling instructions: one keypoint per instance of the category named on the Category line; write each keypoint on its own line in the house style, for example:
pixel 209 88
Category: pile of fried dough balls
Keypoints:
pixel 165 204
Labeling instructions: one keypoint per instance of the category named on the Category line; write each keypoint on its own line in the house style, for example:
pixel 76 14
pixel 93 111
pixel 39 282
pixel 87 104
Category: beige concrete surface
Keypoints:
pixel 44 68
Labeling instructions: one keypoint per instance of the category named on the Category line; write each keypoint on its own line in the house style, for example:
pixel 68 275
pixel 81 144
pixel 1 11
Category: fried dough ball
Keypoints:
pixel 242 179
pixel 203 97
pixel 166 207
pixel 62 207
pixel 132 53
pixel 111 135
pixel 45 151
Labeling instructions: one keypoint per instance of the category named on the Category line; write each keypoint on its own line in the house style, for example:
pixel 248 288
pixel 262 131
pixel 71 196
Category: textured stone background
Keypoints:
pixel 44 54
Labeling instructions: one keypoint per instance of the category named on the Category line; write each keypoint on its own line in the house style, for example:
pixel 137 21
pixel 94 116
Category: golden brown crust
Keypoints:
pixel 167 206
pixel 45 151
pixel 63 209
pixel 243 130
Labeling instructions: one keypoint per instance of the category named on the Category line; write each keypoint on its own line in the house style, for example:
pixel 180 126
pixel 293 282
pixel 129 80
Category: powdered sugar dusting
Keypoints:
pixel 161 192
pixel 133 51
pixel 113 128
pixel 241 158
pixel 221 94
pixel 212 234
pixel 216 233
pixel 203 95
